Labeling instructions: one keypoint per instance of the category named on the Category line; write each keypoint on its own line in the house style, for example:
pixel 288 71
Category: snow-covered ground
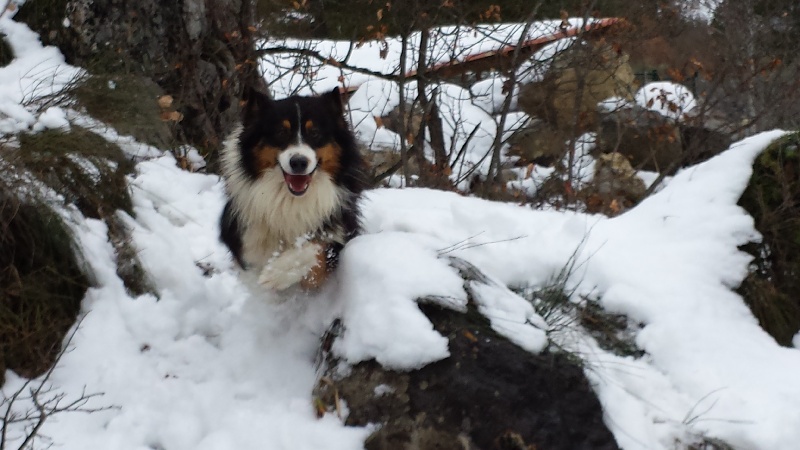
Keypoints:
pixel 213 364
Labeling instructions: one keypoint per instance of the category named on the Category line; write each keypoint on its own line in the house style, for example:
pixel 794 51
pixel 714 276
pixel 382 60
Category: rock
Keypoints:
pixel 772 287
pixel 615 186
pixel 538 143
pixel 702 141
pixel 591 73
pixel 382 163
pixel 657 143
pixel 489 394
pixel 129 103
pixel 414 116
pixel 647 139
pixel 44 277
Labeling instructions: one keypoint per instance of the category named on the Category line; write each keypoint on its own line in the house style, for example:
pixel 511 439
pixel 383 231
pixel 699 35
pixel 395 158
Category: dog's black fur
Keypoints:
pixel 262 210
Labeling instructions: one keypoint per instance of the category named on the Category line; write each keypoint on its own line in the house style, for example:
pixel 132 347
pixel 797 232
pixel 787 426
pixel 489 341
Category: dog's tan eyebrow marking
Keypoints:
pixel 286 124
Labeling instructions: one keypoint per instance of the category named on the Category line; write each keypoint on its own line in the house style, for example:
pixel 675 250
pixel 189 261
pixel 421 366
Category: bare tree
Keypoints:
pixel 27 409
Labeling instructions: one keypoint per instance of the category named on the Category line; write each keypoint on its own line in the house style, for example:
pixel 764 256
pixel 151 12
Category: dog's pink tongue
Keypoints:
pixel 297 183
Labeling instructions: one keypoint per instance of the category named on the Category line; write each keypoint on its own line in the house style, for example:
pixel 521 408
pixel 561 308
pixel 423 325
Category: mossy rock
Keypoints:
pixel 86 169
pixel 772 288
pixel 90 173
pixel 539 143
pixel 488 394
pixel 42 281
pixel 6 54
pixel 41 285
pixel 129 103
pixel 588 74
pixel 647 139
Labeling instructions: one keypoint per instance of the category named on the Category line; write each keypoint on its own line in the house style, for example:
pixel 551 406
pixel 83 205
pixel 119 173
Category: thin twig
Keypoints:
pixel 324 59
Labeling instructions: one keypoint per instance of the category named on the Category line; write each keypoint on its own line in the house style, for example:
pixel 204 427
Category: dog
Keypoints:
pixel 293 176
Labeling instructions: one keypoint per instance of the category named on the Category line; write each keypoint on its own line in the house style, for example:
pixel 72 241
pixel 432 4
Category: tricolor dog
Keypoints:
pixel 293 176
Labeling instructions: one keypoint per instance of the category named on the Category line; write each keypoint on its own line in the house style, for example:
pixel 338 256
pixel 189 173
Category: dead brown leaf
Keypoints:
pixel 171 116
pixel 165 101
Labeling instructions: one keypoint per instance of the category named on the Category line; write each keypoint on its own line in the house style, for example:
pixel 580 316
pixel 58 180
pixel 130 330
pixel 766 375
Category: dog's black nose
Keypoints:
pixel 298 164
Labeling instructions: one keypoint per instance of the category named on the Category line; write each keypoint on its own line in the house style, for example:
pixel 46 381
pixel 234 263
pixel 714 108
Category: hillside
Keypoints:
pixel 199 359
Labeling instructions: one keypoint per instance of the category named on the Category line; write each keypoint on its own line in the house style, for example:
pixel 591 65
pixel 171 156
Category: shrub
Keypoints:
pixel 772 288
pixel 41 285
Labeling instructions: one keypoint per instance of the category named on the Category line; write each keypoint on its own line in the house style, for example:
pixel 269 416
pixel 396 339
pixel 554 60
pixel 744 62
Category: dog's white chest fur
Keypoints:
pixel 272 218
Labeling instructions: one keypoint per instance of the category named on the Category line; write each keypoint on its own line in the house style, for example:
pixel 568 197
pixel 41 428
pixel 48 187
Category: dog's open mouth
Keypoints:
pixel 297 184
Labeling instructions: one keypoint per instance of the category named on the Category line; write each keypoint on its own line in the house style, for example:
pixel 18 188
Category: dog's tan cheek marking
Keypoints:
pixel 330 158
pixel 318 273
pixel 266 157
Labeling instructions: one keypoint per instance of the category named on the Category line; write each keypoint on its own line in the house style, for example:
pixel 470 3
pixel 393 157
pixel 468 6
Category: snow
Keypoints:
pixel 212 363
pixel 52 118
pixel 35 74
pixel 510 315
pixel 613 104
pixel 669 99
pixel 381 275
pixel 376 97
pixel 699 10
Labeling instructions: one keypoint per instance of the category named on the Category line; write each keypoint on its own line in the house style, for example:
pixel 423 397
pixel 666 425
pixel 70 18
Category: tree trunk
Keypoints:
pixel 198 51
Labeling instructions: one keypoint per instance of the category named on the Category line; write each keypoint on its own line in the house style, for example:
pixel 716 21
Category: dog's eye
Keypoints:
pixel 282 136
pixel 314 135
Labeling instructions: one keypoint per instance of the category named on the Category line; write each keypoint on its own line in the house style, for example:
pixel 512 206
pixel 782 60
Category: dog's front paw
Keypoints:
pixel 291 266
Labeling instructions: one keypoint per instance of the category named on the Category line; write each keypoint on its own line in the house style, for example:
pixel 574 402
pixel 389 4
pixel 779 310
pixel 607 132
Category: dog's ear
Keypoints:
pixel 255 103
pixel 334 99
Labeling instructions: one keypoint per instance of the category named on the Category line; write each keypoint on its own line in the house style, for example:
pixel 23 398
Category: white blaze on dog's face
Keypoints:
pixel 298 163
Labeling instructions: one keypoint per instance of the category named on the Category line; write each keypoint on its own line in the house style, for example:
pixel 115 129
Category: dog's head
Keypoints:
pixel 298 136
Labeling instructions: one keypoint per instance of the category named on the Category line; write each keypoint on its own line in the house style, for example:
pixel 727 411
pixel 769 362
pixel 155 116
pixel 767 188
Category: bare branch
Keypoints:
pixel 45 400
pixel 324 59
pixel 494 166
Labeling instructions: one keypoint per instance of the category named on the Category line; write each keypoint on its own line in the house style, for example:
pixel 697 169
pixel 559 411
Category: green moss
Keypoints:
pixel 772 289
pixel 86 169
pixel 129 103
pixel 41 278
pixel 41 284
pixel 90 173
